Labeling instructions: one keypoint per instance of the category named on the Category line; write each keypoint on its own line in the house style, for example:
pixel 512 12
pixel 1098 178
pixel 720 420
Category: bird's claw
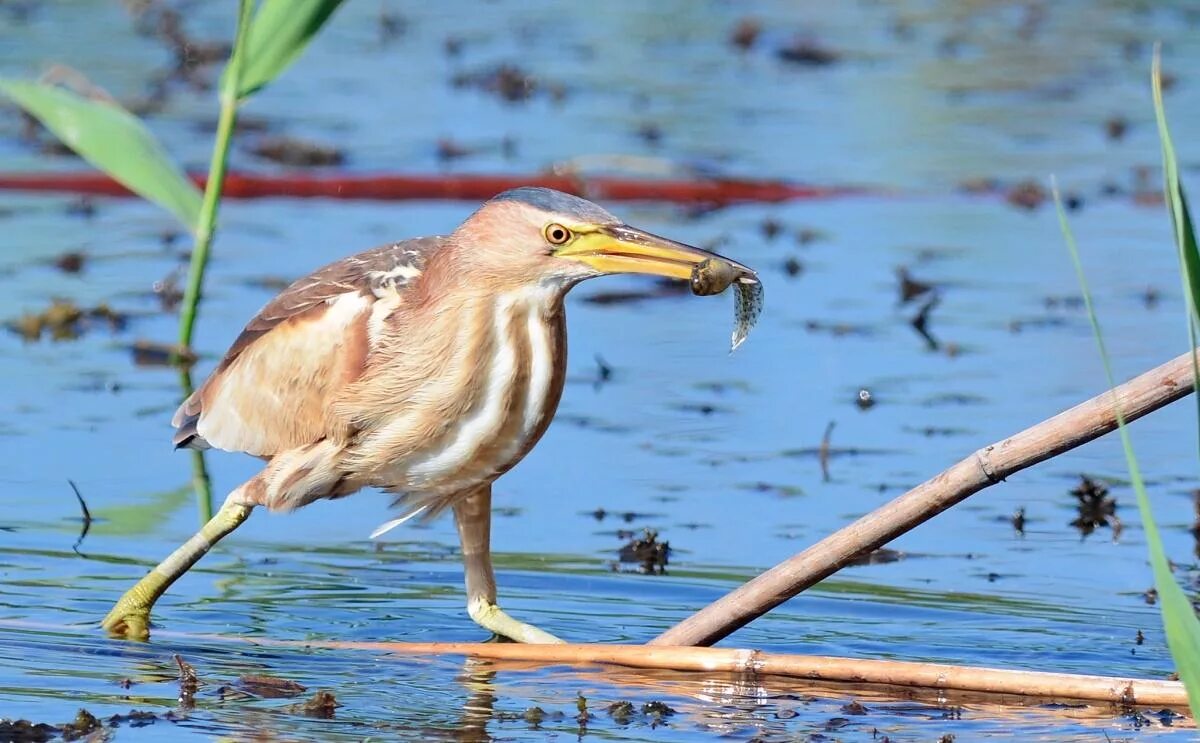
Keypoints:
pixel 128 621
pixel 492 617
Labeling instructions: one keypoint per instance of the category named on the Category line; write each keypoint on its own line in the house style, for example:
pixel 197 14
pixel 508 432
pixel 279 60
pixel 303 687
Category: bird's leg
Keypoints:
pixel 473 516
pixel 130 617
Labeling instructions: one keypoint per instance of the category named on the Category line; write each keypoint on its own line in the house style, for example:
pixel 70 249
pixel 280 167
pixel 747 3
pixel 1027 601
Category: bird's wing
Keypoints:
pixel 272 391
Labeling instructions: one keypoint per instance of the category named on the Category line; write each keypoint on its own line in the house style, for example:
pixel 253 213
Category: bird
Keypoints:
pixel 426 368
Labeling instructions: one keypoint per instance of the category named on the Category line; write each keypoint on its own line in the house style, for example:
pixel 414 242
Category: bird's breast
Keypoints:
pixel 488 405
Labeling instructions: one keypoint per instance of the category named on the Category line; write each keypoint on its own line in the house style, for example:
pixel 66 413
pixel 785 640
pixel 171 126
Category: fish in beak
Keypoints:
pixel 623 249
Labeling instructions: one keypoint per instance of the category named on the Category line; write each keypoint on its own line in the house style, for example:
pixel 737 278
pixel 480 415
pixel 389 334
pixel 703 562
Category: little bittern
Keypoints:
pixel 427 368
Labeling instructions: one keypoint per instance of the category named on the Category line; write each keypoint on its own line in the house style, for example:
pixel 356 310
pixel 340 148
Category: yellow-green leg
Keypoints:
pixel 473 517
pixel 130 618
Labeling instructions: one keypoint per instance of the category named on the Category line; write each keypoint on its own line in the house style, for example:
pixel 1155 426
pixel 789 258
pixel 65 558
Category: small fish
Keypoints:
pixel 713 276
pixel 748 307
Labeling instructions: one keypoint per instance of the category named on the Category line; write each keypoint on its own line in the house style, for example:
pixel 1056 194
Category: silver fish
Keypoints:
pixel 713 276
pixel 747 307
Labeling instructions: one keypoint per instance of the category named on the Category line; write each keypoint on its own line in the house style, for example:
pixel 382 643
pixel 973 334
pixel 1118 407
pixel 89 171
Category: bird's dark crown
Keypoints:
pixel 557 202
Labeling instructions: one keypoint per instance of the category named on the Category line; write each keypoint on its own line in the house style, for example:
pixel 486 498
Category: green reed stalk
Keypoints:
pixel 216 178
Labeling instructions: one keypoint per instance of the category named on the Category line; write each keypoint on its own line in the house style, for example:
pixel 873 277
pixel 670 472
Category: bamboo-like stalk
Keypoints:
pixel 986 467
pixel 818 668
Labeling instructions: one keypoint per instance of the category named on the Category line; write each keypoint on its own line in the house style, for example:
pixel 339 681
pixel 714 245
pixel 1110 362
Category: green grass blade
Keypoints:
pixel 279 33
pixel 1181 217
pixel 1177 206
pixel 113 140
pixel 1179 619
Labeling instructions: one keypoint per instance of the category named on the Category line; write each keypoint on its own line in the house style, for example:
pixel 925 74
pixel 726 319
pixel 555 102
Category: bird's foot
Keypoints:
pixel 492 617
pixel 130 616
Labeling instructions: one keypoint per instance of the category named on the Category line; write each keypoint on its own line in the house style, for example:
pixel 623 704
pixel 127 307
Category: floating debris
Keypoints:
pixel 1115 127
pixel 448 150
pixel 855 708
pixel 71 262
pixel 509 82
pixel 911 288
pixel 864 400
pixel 1018 521
pixel 154 353
pixel 920 322
pixel 84 724
pixel 86 518
pixel 649 554
pixel 24 731
pixel 827 446
pixel 297 153
pixel 65 320
pixel 657 711
pixel 745 34
pixel 168 291
pixel 621 712
pixel 793 267
pixel 1096 507
pixel 807 52
pixel 650 133
pixel 880 556
pixel 270 687
pixel 1027 194
pixel 189 682
pixel 322 706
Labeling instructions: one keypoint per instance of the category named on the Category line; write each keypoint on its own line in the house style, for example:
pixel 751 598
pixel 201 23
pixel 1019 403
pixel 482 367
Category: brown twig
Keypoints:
pixel 817 668
pixel 988 466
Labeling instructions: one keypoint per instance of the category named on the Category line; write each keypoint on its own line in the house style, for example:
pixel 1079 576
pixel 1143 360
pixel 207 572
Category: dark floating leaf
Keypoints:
pixel 881 556
pixel 189 682
pixel 83 725
pixel 71 262
pixel 509 82
pixel 66 320
pixel 910 288
pixel 322 706
pixel 745 33
pixel 152 353
pixel 1028 194
pixel 270 687
pixel 24 731
pixel 807 52
pixel 649 554
pixel 297 153
pixel 1018 521
pixel 87 517
pixel 854 708
pixel 1096 507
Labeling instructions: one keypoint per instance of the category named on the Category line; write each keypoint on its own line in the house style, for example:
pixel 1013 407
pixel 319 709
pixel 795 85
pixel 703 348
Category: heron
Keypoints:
pixel 427 368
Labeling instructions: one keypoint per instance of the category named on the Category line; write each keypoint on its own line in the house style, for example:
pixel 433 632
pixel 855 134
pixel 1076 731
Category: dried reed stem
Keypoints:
pixel 1034 684
pixel 992 464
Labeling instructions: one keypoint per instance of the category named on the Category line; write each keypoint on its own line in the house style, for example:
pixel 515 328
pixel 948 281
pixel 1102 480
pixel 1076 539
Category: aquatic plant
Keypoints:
pixel 1181 626
pixel 115 141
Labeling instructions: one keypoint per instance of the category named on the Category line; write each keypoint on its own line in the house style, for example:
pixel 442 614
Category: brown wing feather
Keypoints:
pixel 273 389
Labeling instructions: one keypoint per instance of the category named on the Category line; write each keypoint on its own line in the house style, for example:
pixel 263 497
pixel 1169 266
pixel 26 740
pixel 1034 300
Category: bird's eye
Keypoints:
pixel 556 234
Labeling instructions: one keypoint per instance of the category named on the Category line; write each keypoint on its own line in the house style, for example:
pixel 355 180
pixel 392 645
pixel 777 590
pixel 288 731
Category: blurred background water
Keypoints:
pixel 953 113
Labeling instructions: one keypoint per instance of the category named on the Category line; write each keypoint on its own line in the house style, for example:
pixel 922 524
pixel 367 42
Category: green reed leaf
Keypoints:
pixel 1179 619
pixel 279 33
pixel 113 140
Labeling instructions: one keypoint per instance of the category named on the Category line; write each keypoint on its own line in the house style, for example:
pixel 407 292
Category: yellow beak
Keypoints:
pixel 625 249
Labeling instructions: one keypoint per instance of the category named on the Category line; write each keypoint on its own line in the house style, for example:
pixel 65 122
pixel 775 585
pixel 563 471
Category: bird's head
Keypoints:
pixel 530 232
